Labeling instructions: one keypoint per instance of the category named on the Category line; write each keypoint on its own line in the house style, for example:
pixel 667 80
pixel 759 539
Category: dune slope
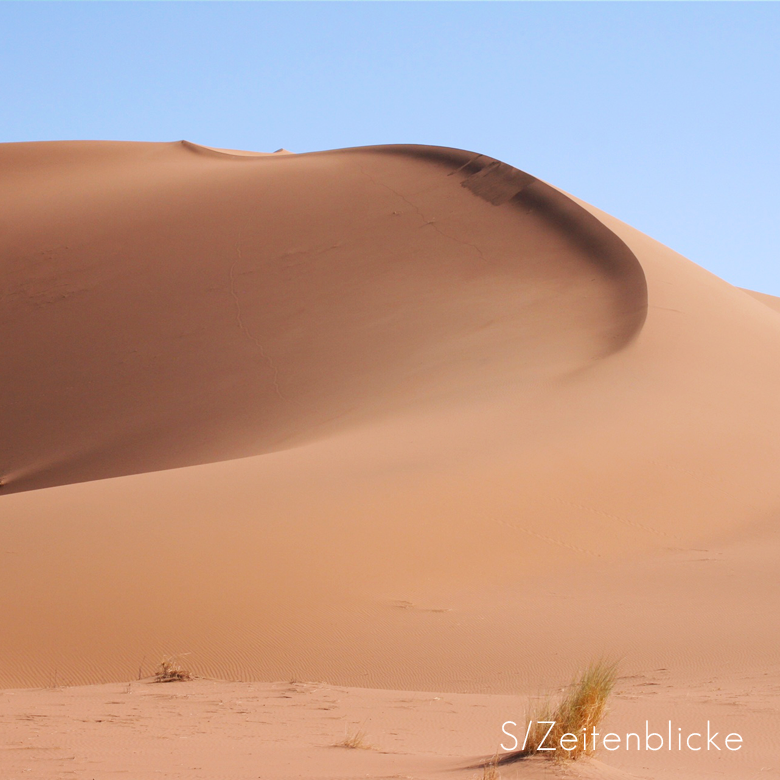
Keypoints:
pixel 166 305
pixel 394 417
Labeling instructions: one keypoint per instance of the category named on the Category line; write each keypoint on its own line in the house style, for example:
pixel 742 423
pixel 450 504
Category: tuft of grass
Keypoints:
pixel 490 770
pixel 583 707
pixel 356 740
pixel 170 670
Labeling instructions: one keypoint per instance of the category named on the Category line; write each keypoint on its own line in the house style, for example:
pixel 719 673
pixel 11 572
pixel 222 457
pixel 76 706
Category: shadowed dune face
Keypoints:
pixel 165 305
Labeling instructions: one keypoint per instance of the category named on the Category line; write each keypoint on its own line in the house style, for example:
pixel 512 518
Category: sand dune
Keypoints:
pixel 170 305
pixel 389 417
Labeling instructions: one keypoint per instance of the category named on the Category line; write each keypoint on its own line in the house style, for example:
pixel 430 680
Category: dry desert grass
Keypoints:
pixel 490 770
pixel 171 670
pixel 356 740
pixel 579 712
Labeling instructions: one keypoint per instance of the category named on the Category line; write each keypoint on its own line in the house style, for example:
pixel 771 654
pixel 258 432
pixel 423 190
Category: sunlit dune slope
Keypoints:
pixel 770 300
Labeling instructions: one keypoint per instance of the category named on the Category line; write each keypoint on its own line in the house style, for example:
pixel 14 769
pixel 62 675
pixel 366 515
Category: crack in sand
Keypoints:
pixel 431 222
pixel 240 322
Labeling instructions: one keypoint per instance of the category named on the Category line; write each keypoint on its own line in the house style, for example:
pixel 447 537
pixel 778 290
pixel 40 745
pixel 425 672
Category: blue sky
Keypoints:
pixel 666 115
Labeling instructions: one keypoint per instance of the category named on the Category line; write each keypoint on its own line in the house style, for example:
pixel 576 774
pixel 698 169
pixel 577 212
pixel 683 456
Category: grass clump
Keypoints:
pixel 171 670
pixel 355 740
pixel 578 714
pixel 490 770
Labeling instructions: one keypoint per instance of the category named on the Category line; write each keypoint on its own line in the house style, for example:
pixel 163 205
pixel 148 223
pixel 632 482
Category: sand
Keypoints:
pixel 389 419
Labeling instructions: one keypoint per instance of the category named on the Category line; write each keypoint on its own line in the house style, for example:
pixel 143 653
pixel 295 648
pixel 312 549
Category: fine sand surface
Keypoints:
pixel 391 418
pixel 208 729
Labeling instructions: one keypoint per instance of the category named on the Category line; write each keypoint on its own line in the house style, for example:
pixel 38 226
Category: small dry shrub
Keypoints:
pixel 355 740
pixel 171 670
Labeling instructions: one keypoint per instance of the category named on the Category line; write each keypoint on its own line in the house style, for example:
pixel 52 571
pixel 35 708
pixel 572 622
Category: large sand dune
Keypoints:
pixel 173 305
pixel 392 417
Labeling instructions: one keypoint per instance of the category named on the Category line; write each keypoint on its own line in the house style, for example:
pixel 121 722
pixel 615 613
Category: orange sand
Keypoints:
pixel 389 417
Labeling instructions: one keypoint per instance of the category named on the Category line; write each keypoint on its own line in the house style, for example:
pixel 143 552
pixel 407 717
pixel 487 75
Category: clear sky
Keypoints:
pixel 666 115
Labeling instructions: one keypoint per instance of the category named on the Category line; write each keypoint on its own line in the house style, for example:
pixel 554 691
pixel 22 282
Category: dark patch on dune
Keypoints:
pixel 497 182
